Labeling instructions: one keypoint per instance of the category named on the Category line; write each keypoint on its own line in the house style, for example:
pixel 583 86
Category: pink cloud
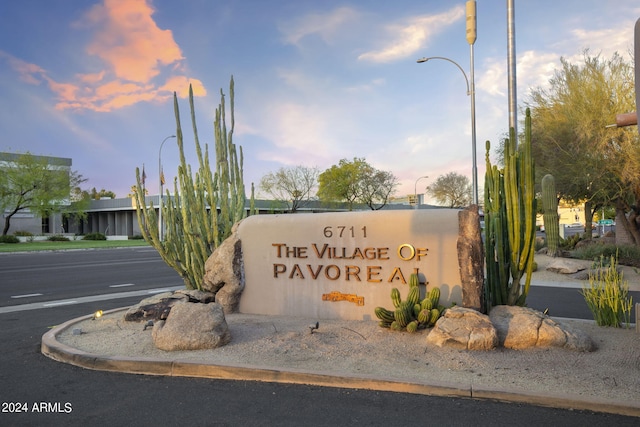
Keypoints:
pixel 65 91
pixel 29 73
pixel 117 88
pixel 180 85
pixel 124 100
pixel 129 40
pixel 135 53
pixel 91 78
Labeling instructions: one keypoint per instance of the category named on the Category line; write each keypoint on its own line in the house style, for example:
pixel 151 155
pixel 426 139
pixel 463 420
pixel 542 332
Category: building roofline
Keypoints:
pixel 54 161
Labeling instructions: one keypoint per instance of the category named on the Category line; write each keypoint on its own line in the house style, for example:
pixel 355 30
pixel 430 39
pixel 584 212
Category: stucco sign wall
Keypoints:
pixel 343 265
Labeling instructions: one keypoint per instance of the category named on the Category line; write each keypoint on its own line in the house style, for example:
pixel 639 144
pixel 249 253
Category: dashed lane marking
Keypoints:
pixel 57 303
pixel 25 296
pixel 82 300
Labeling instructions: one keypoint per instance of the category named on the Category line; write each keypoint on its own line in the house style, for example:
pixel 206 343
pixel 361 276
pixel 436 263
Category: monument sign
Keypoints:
pixel 343 265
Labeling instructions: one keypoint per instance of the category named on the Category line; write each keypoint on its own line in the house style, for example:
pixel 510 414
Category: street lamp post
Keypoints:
pixel 160 179
pixel 470 92
pixel 511 68
pixel 415 190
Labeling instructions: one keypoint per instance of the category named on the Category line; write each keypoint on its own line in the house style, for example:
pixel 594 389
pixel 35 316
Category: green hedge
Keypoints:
pixel 94 236
pixel 58 238
pixel 9 239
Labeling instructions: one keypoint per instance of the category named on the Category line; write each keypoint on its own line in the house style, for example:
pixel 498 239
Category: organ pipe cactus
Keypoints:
pixel 510 210
pixel 203 209
pixel 550 215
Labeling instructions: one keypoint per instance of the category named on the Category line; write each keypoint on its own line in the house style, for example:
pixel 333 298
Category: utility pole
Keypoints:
pixel 471 39
pixel 511 68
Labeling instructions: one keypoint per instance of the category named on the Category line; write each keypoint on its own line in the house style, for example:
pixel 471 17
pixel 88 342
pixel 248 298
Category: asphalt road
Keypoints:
pixel 58 276
pixel 53 393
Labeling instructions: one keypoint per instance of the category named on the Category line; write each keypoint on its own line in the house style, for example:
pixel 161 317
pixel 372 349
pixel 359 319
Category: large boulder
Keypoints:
pixel 224 273
pixel 565 266
pixel 522 327
pixel 192 326
pixel 157 307
pixel 465 329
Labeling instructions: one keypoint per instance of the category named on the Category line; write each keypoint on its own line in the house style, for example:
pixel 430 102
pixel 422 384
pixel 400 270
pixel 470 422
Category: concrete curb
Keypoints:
pixel 55 350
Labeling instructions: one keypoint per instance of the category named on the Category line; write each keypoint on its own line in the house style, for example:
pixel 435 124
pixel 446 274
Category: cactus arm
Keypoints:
pixel 197 215
pixel 550 215
pixel 510 208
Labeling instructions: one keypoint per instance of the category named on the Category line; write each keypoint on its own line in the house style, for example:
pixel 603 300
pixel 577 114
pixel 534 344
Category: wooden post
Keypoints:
pixel 471 258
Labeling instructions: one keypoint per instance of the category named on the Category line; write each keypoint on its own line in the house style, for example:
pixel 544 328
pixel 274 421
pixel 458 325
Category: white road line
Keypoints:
pixel 25 296
pixel 122 285
pixel 54 304
pixel 82 300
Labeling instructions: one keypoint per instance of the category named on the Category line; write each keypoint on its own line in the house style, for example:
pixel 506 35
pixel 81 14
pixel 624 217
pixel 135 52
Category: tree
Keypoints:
pixel 357 182
pixel 31 182
pixel 80 202
pixel 294 185
pixel 592 163
pixel 377 187
pixel 452 190
pixel 97 195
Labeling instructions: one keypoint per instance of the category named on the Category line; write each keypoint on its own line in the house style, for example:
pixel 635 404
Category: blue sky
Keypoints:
pixel 315 81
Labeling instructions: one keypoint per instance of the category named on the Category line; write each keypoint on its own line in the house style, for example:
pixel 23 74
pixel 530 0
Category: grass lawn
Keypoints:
pixel 73 244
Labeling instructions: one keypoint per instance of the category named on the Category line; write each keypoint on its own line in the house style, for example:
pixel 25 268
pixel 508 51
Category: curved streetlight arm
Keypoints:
pixel 470 92
pixel 160 162
pixel 421 60
pixel 415 189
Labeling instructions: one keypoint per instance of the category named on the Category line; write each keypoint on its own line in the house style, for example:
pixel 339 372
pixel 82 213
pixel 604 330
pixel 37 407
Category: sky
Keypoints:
pixel 315 81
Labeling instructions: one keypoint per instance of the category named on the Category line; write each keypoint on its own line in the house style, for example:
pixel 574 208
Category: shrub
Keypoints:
pixel 23 233
pixel 595 252
pixel 570 242
pixel 94 236
pixel 9 239
pixel 136 237
pixel 625 254
pixel 608 295
pixel 58 238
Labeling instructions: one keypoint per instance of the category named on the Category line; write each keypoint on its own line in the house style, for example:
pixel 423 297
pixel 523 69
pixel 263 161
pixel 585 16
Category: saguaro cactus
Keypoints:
pixel 550 215
pixel 202 210
pixel 510 209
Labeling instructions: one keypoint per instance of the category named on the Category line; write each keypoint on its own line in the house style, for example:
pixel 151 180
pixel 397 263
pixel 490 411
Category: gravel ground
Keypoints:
pixel 361 348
